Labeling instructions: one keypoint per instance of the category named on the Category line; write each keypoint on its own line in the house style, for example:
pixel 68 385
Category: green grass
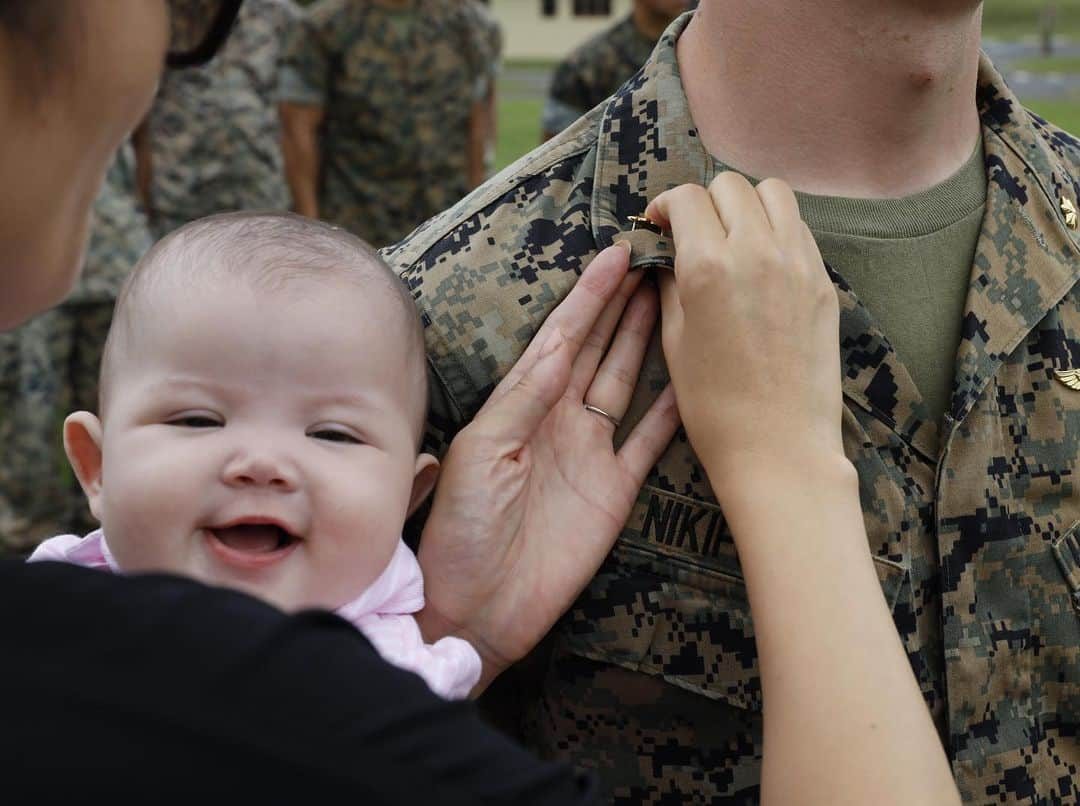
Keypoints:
pixel 1013 19
pixel 519 129
pixel 530 64
pixel 1065 114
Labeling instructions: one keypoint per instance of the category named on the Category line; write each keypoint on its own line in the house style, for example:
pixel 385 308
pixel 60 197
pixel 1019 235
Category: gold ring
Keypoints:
pixel 597 410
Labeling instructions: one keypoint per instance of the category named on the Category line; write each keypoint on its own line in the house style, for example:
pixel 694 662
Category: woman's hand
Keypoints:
pixel 750 327
pixel 532 493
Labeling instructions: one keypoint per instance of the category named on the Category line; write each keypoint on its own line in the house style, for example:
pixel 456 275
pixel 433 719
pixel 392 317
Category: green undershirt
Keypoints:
pixel 908 260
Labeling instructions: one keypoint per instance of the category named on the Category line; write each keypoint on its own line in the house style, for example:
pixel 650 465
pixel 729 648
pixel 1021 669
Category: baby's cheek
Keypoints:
pixel 146 505
pixel 367 522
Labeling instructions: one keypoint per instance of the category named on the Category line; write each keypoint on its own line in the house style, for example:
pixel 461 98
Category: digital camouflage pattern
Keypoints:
pixel 397 86
pixel 974 526
pixel 214 131
pixel 49 367
pixel 593 71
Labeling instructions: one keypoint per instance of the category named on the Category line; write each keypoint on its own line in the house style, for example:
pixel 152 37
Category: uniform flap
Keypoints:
pixel 1067 553
pixel 648 248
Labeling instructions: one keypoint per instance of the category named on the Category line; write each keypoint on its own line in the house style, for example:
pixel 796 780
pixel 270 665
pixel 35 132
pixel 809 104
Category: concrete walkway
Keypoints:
pixel 1028 85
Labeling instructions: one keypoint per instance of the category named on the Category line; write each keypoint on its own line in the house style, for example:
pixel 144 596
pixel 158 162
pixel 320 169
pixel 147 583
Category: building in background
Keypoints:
pixel 548 29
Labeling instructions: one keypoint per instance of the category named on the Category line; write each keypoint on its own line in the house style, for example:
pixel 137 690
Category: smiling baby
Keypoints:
pixel 263 393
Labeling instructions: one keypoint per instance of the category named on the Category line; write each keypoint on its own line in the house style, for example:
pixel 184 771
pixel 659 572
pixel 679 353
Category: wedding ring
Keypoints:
pixel 597 410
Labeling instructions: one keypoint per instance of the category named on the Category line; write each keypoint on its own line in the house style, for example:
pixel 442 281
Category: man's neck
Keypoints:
pixel 837 97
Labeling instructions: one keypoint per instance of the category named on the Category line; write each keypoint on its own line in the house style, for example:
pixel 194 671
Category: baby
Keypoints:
pixel 263 392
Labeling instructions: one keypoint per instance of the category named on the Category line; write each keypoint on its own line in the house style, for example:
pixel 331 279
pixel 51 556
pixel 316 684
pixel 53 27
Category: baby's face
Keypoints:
pixel 262 440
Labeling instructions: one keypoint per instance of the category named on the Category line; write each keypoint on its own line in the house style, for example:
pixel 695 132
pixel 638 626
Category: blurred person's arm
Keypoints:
pixel 304 84
pixel 300 149
pixel 490 146
pixel 144 166
pixel 482 40
pixel 476 147
pixel 566 99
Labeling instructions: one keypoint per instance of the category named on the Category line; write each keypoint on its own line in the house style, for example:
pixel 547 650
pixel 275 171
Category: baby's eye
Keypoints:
pixel 334 435
pixel 194 421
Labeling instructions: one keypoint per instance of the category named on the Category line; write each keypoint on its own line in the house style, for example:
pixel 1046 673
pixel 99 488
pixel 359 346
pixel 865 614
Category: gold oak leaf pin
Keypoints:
pixel 1069 377
pixel 1069 209
pixel 641 222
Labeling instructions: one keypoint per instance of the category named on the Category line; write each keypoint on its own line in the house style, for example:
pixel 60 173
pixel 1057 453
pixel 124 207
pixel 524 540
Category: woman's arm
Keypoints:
pixel 750 332
pixel 845 721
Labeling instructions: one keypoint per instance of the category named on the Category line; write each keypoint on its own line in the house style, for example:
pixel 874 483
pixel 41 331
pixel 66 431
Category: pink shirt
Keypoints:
pixel 383 613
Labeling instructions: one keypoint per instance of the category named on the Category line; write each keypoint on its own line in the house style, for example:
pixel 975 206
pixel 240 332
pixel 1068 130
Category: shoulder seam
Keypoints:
pixel 526 168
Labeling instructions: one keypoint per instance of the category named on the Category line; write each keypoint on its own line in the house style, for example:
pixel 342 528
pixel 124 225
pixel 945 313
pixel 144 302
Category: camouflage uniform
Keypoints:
pixel 215 134
pixel 974 525
pixel 593 72
pixel 49 367
pixel 397 87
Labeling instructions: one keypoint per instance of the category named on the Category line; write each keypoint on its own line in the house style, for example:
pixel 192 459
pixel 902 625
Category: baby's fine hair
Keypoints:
pixel 271 250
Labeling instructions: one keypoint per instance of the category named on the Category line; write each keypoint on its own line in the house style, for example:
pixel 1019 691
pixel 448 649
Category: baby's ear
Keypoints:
pixel 82 443
pixel 427 471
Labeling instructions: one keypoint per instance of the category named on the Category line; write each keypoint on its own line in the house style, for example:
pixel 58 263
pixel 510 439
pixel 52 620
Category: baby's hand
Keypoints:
pixel 750 326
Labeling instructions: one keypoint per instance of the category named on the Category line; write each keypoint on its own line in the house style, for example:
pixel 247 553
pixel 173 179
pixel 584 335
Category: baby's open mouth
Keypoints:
pixel 254 538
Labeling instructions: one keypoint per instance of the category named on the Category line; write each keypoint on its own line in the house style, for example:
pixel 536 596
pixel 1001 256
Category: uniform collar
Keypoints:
pixel 1026 258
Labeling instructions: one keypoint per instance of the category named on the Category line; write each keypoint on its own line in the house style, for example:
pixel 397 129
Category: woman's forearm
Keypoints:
pixel 845 721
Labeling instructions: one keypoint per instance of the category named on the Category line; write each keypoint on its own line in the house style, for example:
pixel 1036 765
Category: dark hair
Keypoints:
pixel 40 33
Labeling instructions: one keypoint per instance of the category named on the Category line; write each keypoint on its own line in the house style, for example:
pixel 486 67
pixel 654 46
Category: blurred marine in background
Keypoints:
pixel 601 65
pixel 49 367
pixel 381 101
pixel 212 140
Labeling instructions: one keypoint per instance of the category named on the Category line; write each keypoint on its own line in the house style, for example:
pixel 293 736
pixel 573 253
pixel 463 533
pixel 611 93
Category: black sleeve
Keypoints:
pixel 126 686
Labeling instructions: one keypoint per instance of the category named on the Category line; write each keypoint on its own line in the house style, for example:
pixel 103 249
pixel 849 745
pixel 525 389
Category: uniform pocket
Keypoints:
pixel 666 613
pixel 1067 553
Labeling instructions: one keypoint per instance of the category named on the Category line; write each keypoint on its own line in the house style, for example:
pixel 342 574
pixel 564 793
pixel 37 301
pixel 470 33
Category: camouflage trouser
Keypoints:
pixel 48 368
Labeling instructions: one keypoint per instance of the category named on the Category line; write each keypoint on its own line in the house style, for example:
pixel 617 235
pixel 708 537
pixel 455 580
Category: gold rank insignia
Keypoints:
pixel 641 222
pixel 1069 209
pixel 1069 377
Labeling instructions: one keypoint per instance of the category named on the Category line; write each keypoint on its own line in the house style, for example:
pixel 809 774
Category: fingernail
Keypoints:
pixel 625 245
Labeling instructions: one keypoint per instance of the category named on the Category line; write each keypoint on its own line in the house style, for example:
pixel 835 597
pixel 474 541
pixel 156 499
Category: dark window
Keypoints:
pixel 592 8
pixel 547 8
